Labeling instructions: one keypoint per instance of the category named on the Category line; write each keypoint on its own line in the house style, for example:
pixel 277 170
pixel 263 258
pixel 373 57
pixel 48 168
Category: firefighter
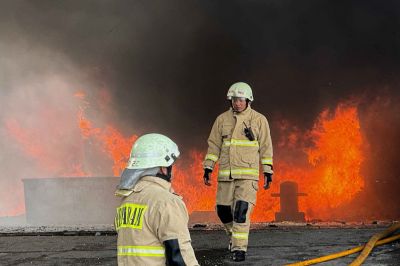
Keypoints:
pixel 152 221
pixel 240 141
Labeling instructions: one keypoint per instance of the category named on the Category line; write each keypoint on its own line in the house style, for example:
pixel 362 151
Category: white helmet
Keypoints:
pixel 153 150
pixel 240 89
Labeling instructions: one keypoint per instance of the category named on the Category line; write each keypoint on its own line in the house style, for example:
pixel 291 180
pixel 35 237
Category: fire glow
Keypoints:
pixel 329 172
pixel 325 161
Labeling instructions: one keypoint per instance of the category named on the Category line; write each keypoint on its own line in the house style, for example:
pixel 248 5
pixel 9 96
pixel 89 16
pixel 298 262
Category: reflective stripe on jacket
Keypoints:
pixel 146 218
pixel 239 158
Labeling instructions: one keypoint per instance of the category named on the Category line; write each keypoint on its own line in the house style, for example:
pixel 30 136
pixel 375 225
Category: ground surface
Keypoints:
pixel 269 245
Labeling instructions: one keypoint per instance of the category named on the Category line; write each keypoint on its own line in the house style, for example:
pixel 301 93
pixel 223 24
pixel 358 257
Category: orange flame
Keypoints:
pixel 188 182
pixel 336 157
pixel 114 144
pixel 329 171
pixel 324 161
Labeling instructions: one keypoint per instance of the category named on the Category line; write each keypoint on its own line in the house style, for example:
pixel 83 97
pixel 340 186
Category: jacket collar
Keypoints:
pixel 146 180
pixel 243 113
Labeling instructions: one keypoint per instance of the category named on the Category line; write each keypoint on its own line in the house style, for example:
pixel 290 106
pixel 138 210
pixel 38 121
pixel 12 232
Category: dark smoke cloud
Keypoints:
pixel 168 64
pixel 176 60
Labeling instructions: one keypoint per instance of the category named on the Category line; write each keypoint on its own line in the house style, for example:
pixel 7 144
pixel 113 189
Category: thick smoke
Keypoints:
pixel 156 56
pixel 40 136
pixel 168 65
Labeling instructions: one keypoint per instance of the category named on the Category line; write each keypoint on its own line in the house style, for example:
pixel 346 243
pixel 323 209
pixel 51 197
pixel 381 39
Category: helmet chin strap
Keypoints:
pixel 166 177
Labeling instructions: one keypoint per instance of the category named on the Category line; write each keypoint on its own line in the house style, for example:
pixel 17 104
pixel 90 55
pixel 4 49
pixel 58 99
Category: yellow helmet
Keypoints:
pixel 240 89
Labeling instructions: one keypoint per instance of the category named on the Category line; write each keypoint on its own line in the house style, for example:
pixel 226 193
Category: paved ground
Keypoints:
pixel 268 246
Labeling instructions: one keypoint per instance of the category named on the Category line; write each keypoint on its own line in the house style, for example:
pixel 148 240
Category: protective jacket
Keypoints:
pixel 239 157
pixel 152 226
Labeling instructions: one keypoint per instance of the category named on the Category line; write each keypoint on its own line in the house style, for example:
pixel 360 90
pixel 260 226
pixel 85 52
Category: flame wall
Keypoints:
pixel 327 161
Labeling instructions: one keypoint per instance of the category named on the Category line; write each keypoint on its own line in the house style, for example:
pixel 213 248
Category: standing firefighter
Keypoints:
pixel 240 139
pixel 151 221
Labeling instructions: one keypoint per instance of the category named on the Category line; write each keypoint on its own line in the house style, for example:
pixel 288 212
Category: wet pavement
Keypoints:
pixel 269 245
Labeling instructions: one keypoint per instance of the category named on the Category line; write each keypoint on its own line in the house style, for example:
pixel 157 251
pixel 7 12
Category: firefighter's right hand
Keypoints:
pixel 206 176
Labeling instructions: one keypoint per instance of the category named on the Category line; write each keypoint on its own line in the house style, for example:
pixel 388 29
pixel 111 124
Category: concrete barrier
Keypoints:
pixel 70 201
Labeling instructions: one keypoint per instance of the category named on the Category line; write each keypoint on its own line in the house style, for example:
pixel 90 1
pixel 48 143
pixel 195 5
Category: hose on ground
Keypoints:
pixel 375 240
pixel 372 242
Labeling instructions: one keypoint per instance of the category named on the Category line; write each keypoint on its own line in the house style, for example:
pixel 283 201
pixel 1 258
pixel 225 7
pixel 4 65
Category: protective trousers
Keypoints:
pixel 235 202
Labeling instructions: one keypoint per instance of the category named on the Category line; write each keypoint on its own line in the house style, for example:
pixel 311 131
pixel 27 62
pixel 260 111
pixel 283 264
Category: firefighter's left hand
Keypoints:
pixel 267 180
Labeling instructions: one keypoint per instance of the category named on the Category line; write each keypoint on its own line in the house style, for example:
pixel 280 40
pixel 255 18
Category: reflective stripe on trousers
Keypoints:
pixel 240 235
pixel 141 251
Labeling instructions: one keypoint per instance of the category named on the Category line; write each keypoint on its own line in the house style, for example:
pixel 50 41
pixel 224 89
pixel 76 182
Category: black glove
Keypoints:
pixel 206 176
pixel 267 180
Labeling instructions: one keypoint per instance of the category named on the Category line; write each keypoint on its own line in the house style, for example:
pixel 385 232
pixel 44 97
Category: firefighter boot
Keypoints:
pixel 239 255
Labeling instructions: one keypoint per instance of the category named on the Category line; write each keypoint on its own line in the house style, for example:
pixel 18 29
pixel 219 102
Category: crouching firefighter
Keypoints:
pixel 240 140
pixel 151 221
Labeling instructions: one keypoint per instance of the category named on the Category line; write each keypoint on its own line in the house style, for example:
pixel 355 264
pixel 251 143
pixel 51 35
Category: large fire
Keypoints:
pixel 329 171
pixel 325 161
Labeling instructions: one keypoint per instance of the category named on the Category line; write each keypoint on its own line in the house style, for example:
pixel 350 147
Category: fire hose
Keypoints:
pixel 376 240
